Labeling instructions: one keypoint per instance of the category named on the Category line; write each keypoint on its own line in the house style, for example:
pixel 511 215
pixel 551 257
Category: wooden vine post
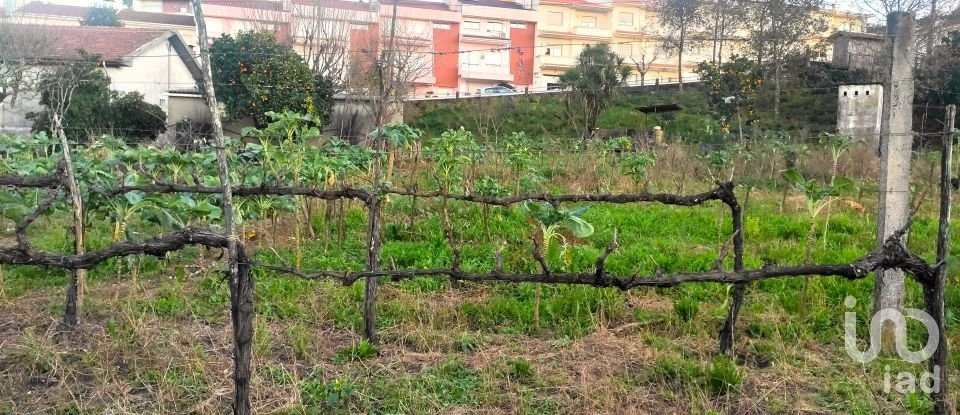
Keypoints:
pixel 374 242
pixel 933 290
pixel 239 275
pixel 77 281
pixel 739 289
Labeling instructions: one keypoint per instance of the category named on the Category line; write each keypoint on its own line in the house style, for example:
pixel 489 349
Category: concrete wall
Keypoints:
pixel 859 111
pixel 158 69
pixel 858 51
pixel 350 118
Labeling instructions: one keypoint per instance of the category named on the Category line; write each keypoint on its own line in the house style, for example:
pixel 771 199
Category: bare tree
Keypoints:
pixel 885 7
pixel 21 47
pixel 651 50
pixel 321 34
pixel 781 29
pixel 723 21
pixel 682 18
pixel 385 76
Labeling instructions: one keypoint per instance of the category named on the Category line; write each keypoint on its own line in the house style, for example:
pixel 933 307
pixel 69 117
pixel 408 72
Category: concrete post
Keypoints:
pixel 896 142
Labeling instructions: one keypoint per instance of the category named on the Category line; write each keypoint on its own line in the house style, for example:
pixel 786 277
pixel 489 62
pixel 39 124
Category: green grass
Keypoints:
pixel 447 349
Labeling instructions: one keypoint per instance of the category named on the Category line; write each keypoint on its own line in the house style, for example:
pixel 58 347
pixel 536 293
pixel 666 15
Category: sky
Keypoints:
pixel 851 5
pixel 844 4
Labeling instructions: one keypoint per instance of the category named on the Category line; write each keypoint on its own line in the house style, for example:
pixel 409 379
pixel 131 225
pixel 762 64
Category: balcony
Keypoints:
pixel 486 73
pixel 594 32
pixel 562 62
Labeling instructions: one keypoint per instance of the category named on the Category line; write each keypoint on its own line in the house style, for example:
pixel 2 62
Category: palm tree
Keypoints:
pixel 593 82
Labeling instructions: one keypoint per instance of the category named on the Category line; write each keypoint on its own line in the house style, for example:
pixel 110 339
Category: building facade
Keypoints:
pixel 450 47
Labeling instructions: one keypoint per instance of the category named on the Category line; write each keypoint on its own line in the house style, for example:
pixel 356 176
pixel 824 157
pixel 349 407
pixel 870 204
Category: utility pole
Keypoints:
pixel 896 143
pixel 932 36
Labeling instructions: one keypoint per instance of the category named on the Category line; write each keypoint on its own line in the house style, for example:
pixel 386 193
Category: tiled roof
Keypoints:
pixel 50 9
pixel 337 4
pixel 158 18
pixel 584 3
pixel 493 3
pixel 112 44
pixel 430 5
pixel 80 12
pixel 248 4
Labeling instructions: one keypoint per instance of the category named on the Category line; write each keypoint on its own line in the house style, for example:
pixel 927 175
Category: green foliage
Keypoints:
pixel 551 220
pixel 635 165
pixel 100 15
pixel 253 74
pixel 817 195
pixel 489 187
pixel 686 308
pixel 938 82
pixel 449 152
pixel 81 93
pixel 519 152
pixel 724 375
pixel 360 351
pixel 519 370
pixel 399 135
pixel 319 397
pixel 594 82
pixel 732 89
pixel 135 119
pixel 919 403
pixel 468 342
pixel 678 372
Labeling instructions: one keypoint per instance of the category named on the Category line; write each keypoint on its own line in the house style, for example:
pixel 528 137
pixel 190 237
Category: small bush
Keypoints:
pixel 686 308
pixel 360 351
pixel 759 330
pixel 676 371
pixel 318 396
pixel 723 375
pixel 519 370
pixel 468 342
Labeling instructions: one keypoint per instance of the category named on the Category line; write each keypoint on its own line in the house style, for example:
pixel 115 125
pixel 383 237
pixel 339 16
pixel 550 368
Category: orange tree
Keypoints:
pixel 253 74
pixel 732 89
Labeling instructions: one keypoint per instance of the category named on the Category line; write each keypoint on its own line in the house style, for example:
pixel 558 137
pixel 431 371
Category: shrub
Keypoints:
pixel 686 308
pixel 723 375
pixel 254 74
pixel 357 352
pixel 90 109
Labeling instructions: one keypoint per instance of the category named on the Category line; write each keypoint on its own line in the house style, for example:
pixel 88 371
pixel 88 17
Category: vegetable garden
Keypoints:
pixel 538 213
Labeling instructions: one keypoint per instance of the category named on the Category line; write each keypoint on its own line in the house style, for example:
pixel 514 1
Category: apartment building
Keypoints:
pixel 230 16
pixel 496 44
pixel 43 13
pixel 449 46
pixel 632 30
pixel 446 48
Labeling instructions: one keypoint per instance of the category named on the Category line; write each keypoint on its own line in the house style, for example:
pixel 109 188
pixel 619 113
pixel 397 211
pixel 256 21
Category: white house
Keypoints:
pixel 151 62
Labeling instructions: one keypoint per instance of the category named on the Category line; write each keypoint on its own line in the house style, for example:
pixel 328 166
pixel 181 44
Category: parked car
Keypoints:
pixel 494 90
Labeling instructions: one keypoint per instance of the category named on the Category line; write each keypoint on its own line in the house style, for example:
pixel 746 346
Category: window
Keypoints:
pixel 442 26
pixel 625 19
pixel 468 25
pixel 588 21
pixel 554 51
pixel 518 25
pixel 555 18
pixel 474 58
pixel 495 27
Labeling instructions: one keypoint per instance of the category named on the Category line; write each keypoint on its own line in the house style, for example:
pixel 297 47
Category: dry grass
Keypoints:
pixel 123 360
